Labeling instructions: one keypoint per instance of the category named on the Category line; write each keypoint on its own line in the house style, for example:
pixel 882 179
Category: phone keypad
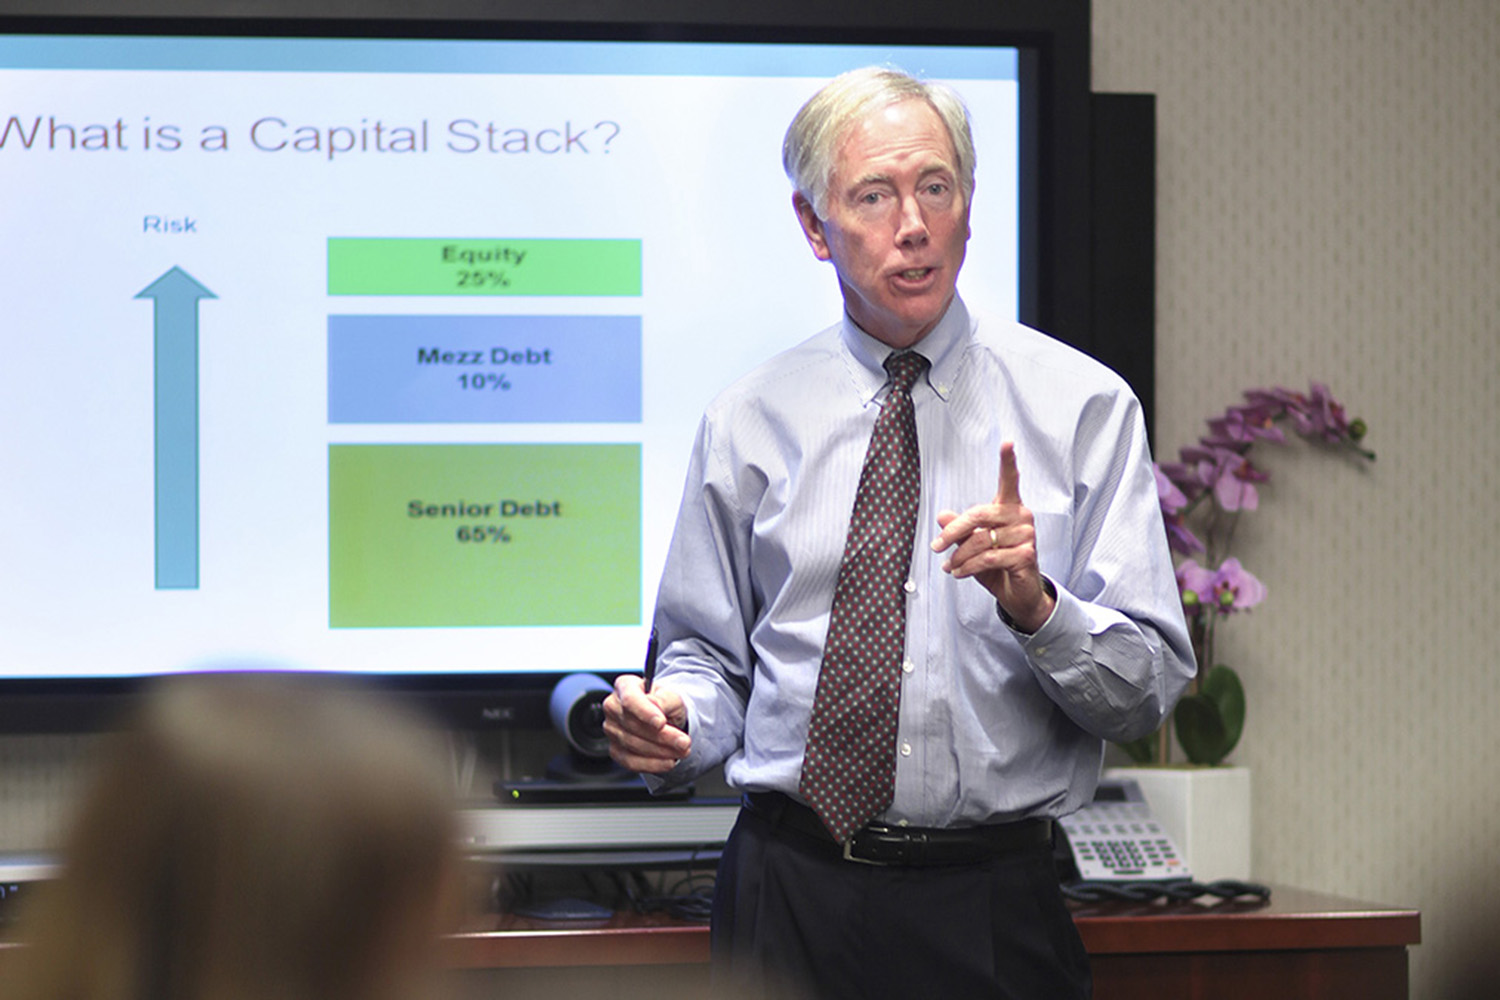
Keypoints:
pixel 1122 841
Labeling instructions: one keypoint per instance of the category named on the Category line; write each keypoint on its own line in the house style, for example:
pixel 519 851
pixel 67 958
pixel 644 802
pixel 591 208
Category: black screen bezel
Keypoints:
pixel 1051 35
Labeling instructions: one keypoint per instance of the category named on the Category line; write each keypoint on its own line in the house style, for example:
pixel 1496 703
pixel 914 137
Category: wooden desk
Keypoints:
pixel 507 942
pixel 1301 946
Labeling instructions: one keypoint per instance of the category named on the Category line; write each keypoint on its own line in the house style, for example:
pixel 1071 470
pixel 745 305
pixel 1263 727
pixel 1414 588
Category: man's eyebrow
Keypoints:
pixel 871 178
pixel 940 167
pixel 876 177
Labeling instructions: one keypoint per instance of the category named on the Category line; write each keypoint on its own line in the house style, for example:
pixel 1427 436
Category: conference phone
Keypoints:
pixel 1115 838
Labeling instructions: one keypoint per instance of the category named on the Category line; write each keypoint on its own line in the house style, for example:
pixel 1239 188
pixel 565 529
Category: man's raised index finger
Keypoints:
pixel 1010 476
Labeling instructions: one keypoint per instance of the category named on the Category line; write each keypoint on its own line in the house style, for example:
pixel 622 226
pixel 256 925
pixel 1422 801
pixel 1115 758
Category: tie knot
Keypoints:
pixel 904 367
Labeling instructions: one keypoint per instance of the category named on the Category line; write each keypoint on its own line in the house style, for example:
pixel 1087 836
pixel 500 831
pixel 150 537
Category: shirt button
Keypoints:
pixel 906 749
pixel 911 586
pixel 1041 651
pixel 908 666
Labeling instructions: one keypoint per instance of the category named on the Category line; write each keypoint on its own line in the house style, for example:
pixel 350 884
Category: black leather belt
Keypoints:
pixel 879 844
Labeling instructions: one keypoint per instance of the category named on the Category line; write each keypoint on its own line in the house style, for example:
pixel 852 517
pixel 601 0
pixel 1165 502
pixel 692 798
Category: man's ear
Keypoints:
pixel 812 226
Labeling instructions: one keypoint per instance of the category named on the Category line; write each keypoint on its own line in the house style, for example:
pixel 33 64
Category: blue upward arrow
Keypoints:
pixel 176 297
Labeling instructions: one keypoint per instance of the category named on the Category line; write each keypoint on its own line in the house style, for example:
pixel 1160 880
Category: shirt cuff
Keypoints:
pixel 1051 590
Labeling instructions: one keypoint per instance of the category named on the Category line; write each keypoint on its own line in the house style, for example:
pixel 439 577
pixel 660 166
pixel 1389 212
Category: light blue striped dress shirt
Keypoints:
pixel 995 725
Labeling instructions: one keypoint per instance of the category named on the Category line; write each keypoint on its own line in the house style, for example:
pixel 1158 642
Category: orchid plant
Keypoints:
pixel 1202 497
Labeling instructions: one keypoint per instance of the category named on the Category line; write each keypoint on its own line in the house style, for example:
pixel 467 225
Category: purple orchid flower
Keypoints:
pixel 1173 501
pixel 1231 475
pixel 1196 585
pixel 1171 498
pixel 1226 590
pixel 1235 588
pixel 1179 537
pixel 1314 413
pixel 1213 481
pixel 1184 476
pixel 1241 425
pixel 1328 415
pixel 1274 400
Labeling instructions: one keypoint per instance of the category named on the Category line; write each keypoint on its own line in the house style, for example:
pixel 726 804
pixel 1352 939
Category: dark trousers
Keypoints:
pixel 793 920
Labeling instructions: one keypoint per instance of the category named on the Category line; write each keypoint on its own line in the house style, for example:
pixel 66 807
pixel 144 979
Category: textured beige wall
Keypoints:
pixel 1329 207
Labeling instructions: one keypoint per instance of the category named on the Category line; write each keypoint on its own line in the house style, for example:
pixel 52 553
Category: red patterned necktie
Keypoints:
pixel 849 767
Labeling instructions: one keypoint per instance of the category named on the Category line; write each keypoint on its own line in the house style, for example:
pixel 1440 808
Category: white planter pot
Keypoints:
pixel 1205 810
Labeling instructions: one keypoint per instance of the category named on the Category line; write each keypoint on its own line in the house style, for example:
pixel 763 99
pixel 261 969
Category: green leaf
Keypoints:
pixel 1210 722
pixel 1222 685
pixel 1200 729
pixel 1142 751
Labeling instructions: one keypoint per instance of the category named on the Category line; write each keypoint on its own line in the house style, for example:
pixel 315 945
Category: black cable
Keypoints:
pixel 687 897
pixel 1146 892
pixel 695 906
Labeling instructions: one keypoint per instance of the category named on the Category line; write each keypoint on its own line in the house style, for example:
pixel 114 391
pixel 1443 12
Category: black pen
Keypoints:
pixel 650 670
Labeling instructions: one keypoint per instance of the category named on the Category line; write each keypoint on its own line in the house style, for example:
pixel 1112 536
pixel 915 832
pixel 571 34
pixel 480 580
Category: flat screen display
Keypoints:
pixel 385 355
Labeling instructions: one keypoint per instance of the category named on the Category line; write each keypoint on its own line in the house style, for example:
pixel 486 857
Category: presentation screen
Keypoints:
pixel 386 355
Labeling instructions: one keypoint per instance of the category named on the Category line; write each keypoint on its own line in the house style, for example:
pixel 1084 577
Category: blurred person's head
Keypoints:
pixel 251 836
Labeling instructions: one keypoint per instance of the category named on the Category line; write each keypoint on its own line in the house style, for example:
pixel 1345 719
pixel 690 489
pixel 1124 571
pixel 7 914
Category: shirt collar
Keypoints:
pixel 943 347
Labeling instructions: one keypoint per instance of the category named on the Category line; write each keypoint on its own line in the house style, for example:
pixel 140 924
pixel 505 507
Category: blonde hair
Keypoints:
pixel 251 836
pixel 810 150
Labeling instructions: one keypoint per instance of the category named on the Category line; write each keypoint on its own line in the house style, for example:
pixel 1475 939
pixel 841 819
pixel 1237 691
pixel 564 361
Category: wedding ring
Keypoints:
pixel 994 542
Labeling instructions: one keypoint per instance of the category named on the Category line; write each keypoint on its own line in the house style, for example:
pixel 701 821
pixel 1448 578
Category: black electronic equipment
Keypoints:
pixel 348 338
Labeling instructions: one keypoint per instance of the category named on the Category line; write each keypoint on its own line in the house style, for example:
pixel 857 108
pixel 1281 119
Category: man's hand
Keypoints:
pixel 645 730
pixel 996 545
